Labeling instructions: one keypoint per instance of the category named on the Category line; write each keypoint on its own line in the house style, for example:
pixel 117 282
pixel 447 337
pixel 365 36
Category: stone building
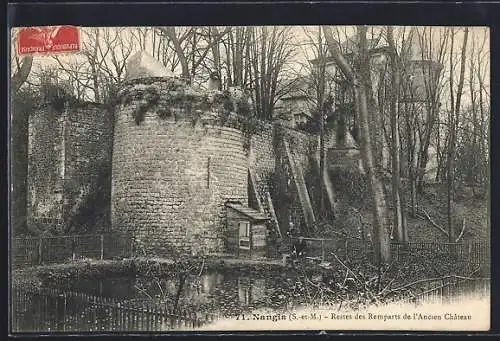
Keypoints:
pixel 419 84
pixel 69 155
pixel 177 155
pixel 294 108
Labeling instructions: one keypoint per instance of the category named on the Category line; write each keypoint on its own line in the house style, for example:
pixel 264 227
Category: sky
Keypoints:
pixel 301 38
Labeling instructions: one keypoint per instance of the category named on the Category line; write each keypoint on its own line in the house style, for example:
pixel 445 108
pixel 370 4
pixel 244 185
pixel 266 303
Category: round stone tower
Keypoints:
pixel 174 167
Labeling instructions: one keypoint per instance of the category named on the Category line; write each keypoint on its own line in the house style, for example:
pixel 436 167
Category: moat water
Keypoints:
pixel 137 305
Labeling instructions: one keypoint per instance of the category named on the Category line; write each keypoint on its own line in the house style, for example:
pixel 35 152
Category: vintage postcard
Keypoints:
pixel 243 178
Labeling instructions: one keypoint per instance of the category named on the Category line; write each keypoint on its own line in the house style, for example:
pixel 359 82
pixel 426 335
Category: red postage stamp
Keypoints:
pixel 48 39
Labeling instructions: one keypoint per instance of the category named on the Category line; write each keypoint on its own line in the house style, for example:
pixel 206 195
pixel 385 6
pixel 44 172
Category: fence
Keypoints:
pixel 60 249
pixel 476 252
pixel 452 290
pixel 52 310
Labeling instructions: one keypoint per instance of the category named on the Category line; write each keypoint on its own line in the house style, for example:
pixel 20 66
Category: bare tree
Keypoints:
pixel 269 51
pixel 23 71
pixel 434 57
pixel 192 46
pixel 399 223
pixel 421 85
pixel 471 161
pixel 106 53
pixel 453 118
pixel 20 109
pixel 172 35
pixel 484 108
pixel 360 82
pixel 21 105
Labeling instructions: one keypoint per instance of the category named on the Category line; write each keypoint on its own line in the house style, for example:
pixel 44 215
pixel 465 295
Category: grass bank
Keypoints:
pixel 154 267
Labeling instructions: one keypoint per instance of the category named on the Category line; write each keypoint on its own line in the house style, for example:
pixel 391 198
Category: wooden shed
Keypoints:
pixel 246 231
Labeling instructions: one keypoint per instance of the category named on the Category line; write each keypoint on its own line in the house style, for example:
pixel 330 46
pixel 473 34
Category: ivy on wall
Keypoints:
pixel 56 96
pixel 146 98
pixel 173 98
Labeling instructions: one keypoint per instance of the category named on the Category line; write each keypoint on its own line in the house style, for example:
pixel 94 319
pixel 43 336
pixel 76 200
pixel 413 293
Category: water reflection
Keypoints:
pixel 251 290
pixel 135 304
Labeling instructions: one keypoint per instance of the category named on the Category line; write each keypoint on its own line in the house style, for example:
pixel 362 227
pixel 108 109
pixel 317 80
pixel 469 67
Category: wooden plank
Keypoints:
pixel 101 239
pixel 40 252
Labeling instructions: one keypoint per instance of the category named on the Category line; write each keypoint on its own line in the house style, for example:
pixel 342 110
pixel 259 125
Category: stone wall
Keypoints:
pixel 69 149
pixel 88 147
pixel 172 175
pixel 262 152
pixel 164 164
pixel 304 149
pixel 268 159
pixel 304 146
pixel 45 167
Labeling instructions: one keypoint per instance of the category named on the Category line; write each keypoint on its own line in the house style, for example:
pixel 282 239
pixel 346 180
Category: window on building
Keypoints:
pixel 244 235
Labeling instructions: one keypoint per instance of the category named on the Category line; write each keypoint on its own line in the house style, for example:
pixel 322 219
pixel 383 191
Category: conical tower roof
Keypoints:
pixel 143 65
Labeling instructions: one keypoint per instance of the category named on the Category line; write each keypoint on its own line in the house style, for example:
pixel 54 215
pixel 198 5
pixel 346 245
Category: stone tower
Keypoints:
pixel 174 165
pixel 420 91
pixel 422 72
pixel 68 149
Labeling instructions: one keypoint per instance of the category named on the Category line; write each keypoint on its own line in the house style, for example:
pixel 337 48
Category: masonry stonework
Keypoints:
pixel 164 162
pixel 88 148
pixel 171 178
pixel 45 166
pixel 262 153
pixel 69 149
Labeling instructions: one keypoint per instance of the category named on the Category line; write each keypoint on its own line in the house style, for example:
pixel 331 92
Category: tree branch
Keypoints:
pixel 22 74
pixel 334 48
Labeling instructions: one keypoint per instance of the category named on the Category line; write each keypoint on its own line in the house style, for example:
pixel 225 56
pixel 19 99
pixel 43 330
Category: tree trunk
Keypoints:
pixel 170 31
pixel 22 74
pixel 423 157
pixel 322 162
pixel 19 150
pixel 483 143
pixel 380 236
pixel 322 112
pixel 214 33
pixel 438 153
pixel 453 124
pixel 182 281
pixel 194 42
pixel 93 67
pixel 411 142
pixel 19 165
pixel 451 148
pixel 431 76
pixel 399 227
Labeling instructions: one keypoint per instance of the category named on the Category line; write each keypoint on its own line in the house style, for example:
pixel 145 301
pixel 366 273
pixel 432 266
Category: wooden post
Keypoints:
pixel 208 172
pixel 102 246
pixel 250 234
pixel 143 315
pixel 73 249
pixel 64 313
pixel 322 250
pixel 40 251
pixel 58 323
